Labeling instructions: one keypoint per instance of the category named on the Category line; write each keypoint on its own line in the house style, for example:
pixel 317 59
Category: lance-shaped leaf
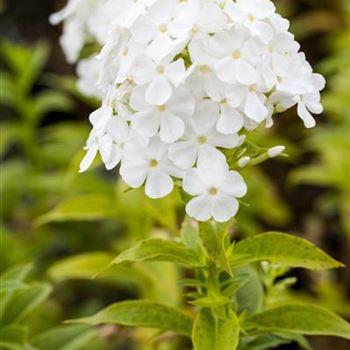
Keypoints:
pixel 142 313
pixel 93 265
pixel 300 319
pixel 70 337
pixel 154 249
pixel 213 333
pixel 13 337
pixel 88 207
pixel 283 249
pixel 12 280
pixel 24 301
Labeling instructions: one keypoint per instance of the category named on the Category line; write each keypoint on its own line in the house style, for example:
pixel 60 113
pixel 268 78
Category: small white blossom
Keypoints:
pixel 108 137
pixel 150 165
pixel 201 137
pixel 167 118
pixel 253 15
pixel 214 188
pixel 161 78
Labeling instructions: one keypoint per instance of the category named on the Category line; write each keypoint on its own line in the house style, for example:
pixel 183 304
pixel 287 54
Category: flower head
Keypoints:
pixel 179 80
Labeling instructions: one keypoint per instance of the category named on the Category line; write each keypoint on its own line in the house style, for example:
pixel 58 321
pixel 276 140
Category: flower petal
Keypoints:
pixel 137 99
pixel 159 91
pixel 224 209
pixel 193 183
pixel 230 122
pixel 143 70
pixel 133 173
pixel 171 127
pixel 89 158
pixel 254 108
pixel 234 185
pixel 245 73
pixel 160 47
pixel 144 29
pixel 118 129
pixel 158 184
pixel 306 116
pixel 182 103
pixel 146 123
pixel 183 154
pixel 199 208
pixel 176 72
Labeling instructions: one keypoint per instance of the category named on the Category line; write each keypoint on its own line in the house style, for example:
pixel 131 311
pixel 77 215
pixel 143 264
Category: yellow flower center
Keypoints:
pixel 204 69
pixel 253 88
pixel 160 69
pixel 153 163
pixel 202 140
pixel 163 28
pixel 213 191
pixel 236 54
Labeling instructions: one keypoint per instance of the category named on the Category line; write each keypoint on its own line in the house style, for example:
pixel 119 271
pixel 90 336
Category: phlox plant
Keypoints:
pixel 182 84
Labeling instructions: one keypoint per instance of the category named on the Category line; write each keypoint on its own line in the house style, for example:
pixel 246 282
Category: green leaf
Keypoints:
pixel 13 337
pixel 25 62
pixel 143 313
pixel 71 337
pixel 12 280
pixel 250 295
pixel 301 319
pixel 84 266
pixel 154 249
pixel 214 240
pixel 212 333
pixel 23 302
pixel 88 207
pixel 8 90
pixel 87 266
pixel 8 286
pixel 48 101
pixel 263 342
pixel 17 273
pixel 10 135
pixel 190 234
pixel 283 249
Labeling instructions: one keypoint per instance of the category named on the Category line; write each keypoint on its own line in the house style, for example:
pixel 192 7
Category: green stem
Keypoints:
pixel 213 281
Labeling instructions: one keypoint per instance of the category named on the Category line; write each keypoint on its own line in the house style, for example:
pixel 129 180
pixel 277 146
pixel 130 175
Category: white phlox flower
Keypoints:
pixel 179 80
pixel 167 118
pixel 201 137
pixel 150 166
pixel 214 188
pixel 253 15
pixel 160 77
pixel 107 137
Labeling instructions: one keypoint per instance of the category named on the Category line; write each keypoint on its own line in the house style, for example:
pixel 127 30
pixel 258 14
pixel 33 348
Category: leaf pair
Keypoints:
pixel 218 327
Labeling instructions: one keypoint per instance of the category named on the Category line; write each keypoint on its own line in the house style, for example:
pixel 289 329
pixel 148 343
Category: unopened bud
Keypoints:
pixel 243 162
pixel 275 151
pixel 241 140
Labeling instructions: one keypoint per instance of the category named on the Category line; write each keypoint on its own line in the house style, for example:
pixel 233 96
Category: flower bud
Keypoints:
pixel 243 162
pixel 275 151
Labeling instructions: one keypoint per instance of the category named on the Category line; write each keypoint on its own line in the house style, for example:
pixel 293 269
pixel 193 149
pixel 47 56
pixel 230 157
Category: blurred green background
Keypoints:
pixel 58 227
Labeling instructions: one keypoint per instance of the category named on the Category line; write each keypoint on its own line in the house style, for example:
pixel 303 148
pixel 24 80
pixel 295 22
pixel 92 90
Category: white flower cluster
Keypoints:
pixel 179 79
